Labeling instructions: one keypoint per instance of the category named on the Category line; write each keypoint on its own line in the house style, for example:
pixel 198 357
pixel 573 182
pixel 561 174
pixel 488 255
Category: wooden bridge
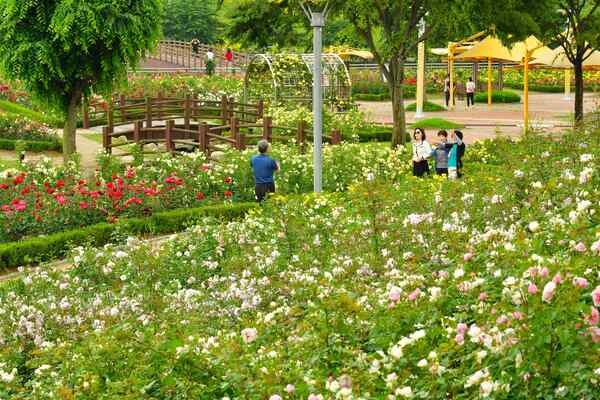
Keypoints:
pixel 191 124
pixel 182 57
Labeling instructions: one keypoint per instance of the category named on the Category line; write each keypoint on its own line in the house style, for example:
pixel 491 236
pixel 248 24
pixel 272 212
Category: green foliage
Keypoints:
pixel 498 96
pixel 19 110
pixel 436 123
pixel 35 146
pixel 428 106
pixel 189 19
pixel 45 248
pixel 61 50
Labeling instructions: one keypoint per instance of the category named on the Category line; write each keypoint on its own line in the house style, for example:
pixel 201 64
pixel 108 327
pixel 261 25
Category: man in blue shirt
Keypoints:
pixel 263 167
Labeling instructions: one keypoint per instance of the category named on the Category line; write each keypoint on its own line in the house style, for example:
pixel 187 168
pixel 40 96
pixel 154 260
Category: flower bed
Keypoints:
pixel 174 85
pixel 46 200
pixel 480 288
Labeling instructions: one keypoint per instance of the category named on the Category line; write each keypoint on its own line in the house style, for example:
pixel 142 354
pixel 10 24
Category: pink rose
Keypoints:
pixel 443 274
pixel 594 317
pixel 502 319
pixel 394 294
pixel 518 315
pixel 459 339
pixel 275 397
pixel 467 256
pixel 249 335
pixel 482 296
pixel 532 272
pixel 549 291
pixel 290 388
pixel 544 272
pixel 315 397
pixel 596 296
pixel 595 247
pixel 462 328
pixel 557 278
pixel 580 247
pixel 414 294
pixel 532 289
pixel 581 283
pixel 595 332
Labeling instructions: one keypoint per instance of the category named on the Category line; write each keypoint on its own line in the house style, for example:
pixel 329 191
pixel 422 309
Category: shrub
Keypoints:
pixel 498 96
pixel 45 248
pixel 32 145
pixel 15 127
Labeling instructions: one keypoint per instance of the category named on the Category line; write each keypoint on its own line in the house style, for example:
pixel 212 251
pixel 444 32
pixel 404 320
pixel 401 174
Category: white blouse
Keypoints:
pixel 421 150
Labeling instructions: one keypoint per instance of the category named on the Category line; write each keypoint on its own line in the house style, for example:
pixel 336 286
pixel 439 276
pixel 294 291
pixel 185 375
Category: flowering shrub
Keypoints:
pixel 210 88
pixel 21 128
pixel 486 287
pixel 46 199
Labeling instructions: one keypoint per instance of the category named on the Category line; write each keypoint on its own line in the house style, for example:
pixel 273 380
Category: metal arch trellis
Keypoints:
pixel 283 78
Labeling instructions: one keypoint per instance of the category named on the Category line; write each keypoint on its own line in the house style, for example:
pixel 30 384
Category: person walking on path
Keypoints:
pixel 210 62
pixel 470 93
pixel 421 153
pixel 229 60
pixel 441 154
pixel 263 168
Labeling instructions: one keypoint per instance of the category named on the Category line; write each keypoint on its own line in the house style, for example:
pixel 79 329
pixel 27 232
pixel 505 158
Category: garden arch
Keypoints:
pixel 287 78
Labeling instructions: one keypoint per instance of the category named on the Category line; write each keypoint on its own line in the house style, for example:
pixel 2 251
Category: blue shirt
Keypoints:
pixel 263 167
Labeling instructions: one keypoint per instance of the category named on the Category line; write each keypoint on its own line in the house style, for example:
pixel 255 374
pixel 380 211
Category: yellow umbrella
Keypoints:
pixel 490 49
pixel 557 59
pixel 524 52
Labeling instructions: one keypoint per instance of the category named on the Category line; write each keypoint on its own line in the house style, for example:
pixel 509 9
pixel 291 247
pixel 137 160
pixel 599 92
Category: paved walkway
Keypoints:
pixel 484 122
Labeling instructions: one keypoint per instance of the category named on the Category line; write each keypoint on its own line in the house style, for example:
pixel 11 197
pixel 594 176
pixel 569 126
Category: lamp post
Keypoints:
pixel 421 72
pixel 317 21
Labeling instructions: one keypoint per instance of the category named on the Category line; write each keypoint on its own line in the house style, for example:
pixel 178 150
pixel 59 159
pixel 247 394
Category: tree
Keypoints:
pixel 188 19
pixel 62 50
pixel 390 29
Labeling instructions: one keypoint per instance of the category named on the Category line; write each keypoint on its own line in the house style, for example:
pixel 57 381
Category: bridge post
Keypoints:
pixel 235 133
pixel 224 115
pixel 202 137
pixel 122 103
pixel 148 112
pixel 137 128
pixel 260 109
pixel 106 140
pixel 187 107
pixel 168 135
pixel 268 129
pixel 336 136
pixel 109 118
pixel 230 107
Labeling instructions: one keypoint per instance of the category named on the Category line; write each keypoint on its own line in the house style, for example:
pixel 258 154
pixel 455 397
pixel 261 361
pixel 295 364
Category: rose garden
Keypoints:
pixel 136 263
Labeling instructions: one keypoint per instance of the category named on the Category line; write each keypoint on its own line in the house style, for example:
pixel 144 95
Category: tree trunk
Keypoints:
pixel 70 130
pixel 578 66
pixel 397 93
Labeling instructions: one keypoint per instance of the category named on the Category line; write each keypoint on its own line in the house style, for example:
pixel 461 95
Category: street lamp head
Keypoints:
pixel 307 7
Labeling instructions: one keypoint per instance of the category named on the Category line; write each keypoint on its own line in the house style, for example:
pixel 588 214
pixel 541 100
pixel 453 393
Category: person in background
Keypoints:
pixel 470 93
pixel 447 90
pixel 263 168
pixel 210 62
pixel 441 154
pixel 421 153
pixel 195 45
pixel 229 59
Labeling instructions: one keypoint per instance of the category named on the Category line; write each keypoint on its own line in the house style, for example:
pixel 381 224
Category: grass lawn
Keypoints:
pixel 95 137
pixel 17 109
pixel 427 107
pixel 436 123
pixel 5 164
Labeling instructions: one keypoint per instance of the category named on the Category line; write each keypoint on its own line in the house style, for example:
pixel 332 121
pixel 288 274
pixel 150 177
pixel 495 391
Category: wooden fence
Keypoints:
pixel 208 138
pixel 123 111
pixel 182 53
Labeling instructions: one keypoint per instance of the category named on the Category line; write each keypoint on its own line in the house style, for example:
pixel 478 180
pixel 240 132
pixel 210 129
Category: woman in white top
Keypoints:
pixel 421 153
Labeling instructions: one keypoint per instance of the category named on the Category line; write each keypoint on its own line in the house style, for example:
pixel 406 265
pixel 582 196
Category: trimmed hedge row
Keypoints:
pixel 46 248
pixel 498 96
pixel 31 145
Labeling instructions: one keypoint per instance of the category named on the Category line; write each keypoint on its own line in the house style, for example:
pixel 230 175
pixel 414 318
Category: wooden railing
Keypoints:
pixel 182 53
pixel 123 111
pixel 208 138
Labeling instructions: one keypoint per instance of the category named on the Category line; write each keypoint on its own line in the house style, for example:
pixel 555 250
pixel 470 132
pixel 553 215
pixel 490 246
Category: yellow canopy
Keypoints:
pixel 489 48
pixel 346 54
pixel 532 45
pixel 557 59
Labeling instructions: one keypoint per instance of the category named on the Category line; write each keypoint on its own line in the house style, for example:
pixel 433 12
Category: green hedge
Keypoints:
pixel 551 88
pixel 371 97
pixel 498 96
pixel 46 248
pixel 31 145
pixel 378 133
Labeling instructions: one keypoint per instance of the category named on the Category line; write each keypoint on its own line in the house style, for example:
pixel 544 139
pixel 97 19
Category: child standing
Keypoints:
pixel 441 154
